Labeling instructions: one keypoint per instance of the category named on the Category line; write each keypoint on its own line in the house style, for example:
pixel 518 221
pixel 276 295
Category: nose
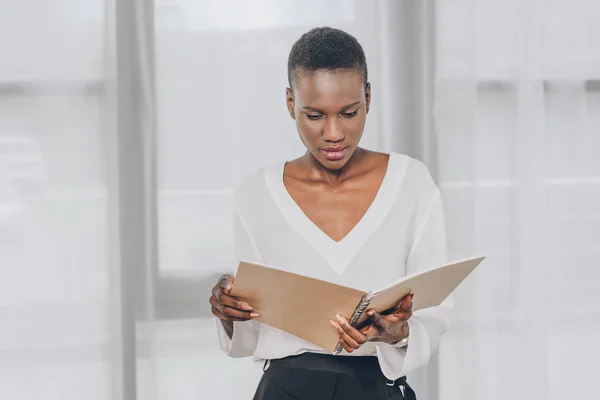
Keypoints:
pixel 332 132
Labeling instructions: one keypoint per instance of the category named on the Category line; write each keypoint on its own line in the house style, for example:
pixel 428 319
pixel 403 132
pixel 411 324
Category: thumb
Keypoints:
pixel 226 283
pixel 377 320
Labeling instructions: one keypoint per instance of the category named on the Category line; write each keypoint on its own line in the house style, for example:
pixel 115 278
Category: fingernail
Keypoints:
pixel 247 307
pixel 255 315
pixel 336 326
pixel 228 287
pixel 339 318
pixel 371 313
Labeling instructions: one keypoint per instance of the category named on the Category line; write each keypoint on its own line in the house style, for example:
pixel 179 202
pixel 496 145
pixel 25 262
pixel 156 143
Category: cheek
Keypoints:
pixel 309 130
pixel 354 126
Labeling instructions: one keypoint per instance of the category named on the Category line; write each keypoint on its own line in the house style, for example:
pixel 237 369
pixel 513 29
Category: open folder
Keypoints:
pixel 303 306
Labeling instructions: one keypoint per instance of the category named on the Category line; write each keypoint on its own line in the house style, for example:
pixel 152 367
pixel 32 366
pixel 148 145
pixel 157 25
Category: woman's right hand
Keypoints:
pixel 228 308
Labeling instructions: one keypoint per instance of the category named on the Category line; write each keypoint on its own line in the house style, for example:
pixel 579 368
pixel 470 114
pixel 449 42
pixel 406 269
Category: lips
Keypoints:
pixel 334 153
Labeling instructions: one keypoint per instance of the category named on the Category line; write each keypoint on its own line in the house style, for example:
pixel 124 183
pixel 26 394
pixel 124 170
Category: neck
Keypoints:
pixel 321 173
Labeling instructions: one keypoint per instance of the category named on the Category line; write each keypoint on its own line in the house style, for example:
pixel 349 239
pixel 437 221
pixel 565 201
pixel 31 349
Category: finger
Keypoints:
pixel 351 331
pixel 226 282
pixel 222 316
pixel 403 314
pixel 367 328
pixel 370 332
pixel 217 312
pixel 344 336
pixel 377 320
pixel 229 301
pixel 407 302
pixel 346 346
pixel 405 309
pixel 232 312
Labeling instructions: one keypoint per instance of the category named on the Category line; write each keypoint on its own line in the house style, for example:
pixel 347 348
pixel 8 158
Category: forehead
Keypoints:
pixel 321 89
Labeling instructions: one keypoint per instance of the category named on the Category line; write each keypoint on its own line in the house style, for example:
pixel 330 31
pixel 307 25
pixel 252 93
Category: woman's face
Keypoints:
pixel 330 109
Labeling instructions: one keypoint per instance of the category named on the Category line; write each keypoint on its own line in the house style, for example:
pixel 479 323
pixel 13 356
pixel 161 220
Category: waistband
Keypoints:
pixel 365 367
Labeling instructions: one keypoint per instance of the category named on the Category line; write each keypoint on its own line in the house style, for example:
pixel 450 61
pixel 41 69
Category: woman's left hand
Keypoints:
pixel 388 328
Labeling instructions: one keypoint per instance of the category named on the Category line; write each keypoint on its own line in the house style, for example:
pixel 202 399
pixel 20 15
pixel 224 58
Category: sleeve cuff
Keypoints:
pixel 243 342
pixel 224 340
pixel 396 363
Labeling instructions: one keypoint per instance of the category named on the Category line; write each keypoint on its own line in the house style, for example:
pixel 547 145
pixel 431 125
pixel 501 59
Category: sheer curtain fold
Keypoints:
pixel 514 127
pixel 55 308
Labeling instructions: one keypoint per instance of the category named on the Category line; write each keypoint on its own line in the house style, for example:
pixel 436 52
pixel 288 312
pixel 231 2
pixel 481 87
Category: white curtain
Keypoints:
pixel 518 129
pixel 55 325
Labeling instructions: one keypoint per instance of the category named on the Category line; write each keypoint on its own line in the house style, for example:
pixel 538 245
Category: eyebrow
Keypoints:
pixel 322 112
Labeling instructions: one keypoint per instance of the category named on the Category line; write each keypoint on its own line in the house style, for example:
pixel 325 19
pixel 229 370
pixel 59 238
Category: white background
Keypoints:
pixel 515 102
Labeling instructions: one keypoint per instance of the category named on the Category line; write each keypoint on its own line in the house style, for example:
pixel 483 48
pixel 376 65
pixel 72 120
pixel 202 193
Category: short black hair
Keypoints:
pixel 326 49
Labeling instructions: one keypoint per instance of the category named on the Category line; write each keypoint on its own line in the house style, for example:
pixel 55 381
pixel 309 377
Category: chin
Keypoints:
pixel 333 165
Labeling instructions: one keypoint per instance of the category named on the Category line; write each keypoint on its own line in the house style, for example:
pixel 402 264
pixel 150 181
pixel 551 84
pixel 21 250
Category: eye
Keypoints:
pixel 314 117
pixel 350 114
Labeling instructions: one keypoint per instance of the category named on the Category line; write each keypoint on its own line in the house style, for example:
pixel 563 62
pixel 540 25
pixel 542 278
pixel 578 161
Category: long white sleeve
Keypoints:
pixel 426 326
pixel 245 334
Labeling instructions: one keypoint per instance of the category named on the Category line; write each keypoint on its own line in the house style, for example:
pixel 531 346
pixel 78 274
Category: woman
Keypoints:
pixel 343 214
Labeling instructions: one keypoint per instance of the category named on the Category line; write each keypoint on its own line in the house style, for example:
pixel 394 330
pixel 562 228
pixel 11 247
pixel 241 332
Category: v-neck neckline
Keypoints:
pixel 339 254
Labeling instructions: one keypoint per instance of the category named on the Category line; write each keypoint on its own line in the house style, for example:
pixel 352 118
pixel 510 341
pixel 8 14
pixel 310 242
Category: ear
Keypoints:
pixel 289 99
pixel 368 96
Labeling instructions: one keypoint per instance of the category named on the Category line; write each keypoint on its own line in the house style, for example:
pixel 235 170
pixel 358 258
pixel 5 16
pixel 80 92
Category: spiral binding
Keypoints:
pixel 358 312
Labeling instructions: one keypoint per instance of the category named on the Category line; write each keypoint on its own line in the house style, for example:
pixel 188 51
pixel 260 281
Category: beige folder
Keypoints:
pixel 303 306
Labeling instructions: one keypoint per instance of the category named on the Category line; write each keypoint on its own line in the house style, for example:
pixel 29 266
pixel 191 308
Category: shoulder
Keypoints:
pixel 252 187
pixel 414 169
pixel 416 177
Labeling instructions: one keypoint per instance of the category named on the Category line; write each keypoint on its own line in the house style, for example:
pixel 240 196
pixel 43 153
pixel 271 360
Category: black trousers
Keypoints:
pixel 324 377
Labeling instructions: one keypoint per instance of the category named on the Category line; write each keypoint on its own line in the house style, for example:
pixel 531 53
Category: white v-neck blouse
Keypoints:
pixel 401 233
